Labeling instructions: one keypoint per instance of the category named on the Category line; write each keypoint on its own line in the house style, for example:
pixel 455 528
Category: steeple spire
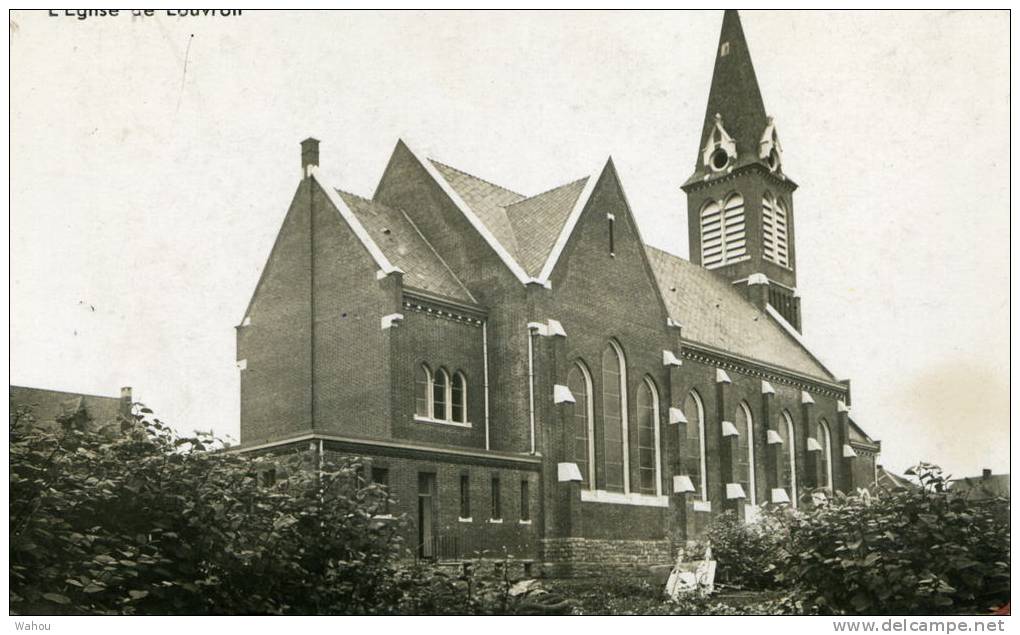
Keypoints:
pixel 734 100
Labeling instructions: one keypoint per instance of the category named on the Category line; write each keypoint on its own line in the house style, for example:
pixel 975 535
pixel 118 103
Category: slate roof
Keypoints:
pixel 527 227
pixel 487 200
pixel 537 222
pixel 397 236
pixel 712 312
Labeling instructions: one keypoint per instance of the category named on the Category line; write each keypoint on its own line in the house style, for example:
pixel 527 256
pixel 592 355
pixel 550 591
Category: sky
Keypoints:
pixel 153 160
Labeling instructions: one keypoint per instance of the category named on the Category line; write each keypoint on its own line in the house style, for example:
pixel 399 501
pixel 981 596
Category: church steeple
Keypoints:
pixel 740 203
pixel 734 100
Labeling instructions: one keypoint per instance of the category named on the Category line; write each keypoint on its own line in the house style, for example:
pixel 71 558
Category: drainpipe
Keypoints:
pixel 485 378
pixel 531 387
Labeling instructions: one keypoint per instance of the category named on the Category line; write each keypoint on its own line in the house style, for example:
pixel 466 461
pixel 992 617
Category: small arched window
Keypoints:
pixel 825 439
pixel 583 422
pixel 774 226
pixel 458 398
pixel 440 397
pixel 745 452
pixel 788 470
pixel 614 418
pixel 694 448
pixel 649 478
pixel 423 392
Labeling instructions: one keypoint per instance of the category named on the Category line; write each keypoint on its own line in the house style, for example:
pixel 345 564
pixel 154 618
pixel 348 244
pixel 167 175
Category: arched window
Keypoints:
pixel 789 457
pixel 583 421
pixel 745 452
pixel 711 235
pixel 825 439
pixel 423 392
pixel 614 418
pixel 649 478
pixel 774 230
pixel 694 449
pixel 458 398
pixel 723 236
pixel 440 397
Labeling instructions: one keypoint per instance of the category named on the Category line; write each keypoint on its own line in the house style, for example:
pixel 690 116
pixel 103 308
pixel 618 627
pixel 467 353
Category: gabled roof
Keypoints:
pixel 712 312
pixel 487 200
pixel 525 228
pixel 538 221
pixel 399 239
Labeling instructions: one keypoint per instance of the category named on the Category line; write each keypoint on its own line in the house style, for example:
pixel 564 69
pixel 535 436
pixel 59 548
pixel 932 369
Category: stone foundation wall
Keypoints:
pixel 577 557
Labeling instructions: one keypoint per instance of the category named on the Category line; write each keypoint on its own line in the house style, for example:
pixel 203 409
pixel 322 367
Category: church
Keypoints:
pixel 528 377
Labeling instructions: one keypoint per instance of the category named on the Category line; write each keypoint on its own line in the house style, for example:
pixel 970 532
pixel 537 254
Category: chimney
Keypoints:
pixel 309 156
pixel 986 474
pixel 125 401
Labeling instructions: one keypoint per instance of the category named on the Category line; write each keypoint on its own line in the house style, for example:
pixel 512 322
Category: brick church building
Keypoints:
pixel 527 376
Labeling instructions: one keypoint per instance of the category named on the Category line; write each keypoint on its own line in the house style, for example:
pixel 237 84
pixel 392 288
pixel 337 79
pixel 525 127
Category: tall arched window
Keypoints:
pixel 789 457
pixel 774 230
pixel 825 439
pixel 694 449
pixel 423 392
pixel 745 452
pixel 711 235
pixel 614 418
pixel 458 398
pixel 583 421
pixel 440 400
pixel 649 478
pixel 734 237
pixel 723 235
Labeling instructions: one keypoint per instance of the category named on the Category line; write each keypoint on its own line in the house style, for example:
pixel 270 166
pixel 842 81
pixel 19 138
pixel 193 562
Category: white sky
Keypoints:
pixel 144 200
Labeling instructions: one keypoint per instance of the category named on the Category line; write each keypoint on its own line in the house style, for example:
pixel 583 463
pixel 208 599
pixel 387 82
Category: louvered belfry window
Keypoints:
pixel 723 234
pixel 774 225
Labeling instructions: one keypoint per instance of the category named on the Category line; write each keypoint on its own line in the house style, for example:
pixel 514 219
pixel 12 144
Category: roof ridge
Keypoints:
pixel 478 178
pixel 552 189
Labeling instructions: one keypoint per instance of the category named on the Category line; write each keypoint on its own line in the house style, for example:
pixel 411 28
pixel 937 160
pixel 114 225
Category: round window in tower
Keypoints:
pixel 774 160
pixel 719 159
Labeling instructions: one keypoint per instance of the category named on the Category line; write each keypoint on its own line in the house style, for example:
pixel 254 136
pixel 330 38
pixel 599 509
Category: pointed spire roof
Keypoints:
pixel 734 94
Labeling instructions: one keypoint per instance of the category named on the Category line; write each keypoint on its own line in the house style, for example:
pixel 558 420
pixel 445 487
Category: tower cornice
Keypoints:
pixel 694 184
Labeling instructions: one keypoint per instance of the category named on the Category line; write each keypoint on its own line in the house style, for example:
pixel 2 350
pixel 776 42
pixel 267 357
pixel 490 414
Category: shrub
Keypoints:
pixel 137 519
pixel 914 551
pixel 747 553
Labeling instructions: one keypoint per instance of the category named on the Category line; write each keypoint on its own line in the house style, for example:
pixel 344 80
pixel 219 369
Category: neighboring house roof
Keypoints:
pixel 712 312
pixel 982 487
pixel 889 480
pixel 398 237
pixel 50 405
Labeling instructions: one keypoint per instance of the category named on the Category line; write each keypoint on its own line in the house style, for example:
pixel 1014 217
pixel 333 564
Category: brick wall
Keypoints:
pixel 424 338
pixel 478 537
pixel 276 386
pixel 582 557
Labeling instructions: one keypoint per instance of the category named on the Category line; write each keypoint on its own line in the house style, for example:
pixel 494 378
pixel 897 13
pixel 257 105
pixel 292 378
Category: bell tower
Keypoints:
pixel 739 200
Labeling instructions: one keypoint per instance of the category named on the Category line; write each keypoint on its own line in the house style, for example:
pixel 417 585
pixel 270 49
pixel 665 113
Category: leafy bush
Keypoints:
pixel 747 553
pixel 136 519
pixel 921 550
